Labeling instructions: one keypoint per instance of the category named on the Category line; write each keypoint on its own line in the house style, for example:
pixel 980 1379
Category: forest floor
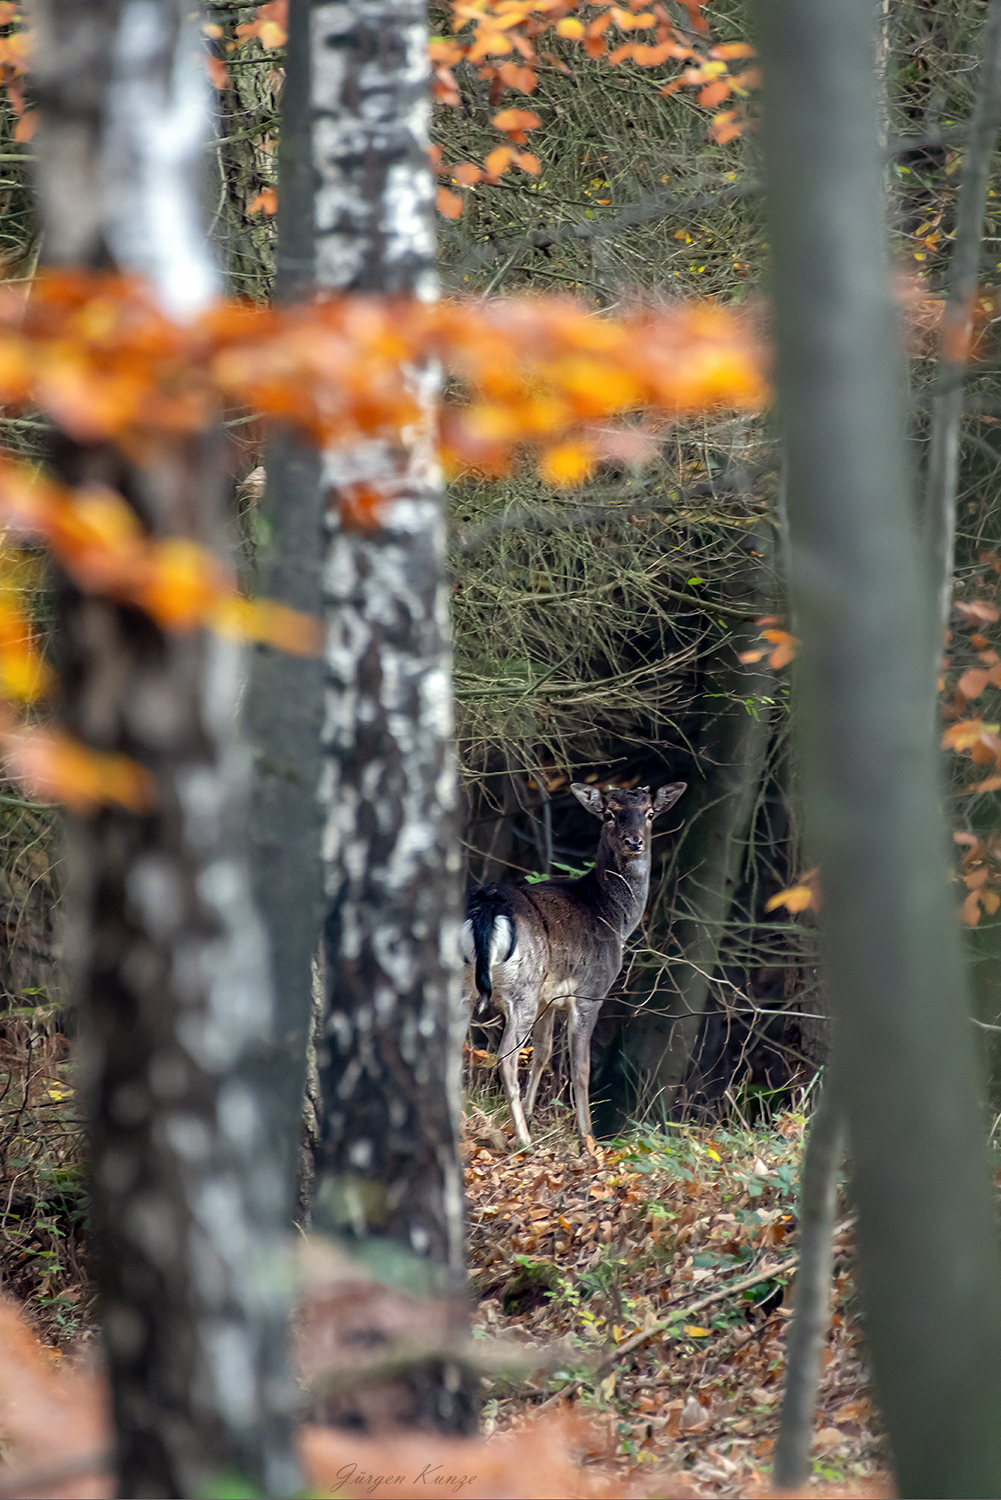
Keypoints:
pixel 646 1286
pixel 655 1279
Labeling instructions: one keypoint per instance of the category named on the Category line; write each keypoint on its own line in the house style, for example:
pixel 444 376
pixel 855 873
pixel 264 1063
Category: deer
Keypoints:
pixel 530 951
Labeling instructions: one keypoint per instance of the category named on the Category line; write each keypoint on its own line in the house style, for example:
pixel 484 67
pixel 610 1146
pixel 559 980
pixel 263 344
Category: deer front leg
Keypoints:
pixel 516 1033
pixel 581 1025
pixel 542 1051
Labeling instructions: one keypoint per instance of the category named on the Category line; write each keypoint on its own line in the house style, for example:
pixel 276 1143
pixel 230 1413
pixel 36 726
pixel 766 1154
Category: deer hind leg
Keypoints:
pixel 520 1015
pixel 542 1051
pixel 580 1025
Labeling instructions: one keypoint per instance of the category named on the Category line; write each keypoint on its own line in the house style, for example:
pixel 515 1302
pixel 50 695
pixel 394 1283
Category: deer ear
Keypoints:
pixel 667 796
pixel 589 797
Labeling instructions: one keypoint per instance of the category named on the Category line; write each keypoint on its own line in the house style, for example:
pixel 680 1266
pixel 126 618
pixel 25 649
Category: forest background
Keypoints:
pixel 598 625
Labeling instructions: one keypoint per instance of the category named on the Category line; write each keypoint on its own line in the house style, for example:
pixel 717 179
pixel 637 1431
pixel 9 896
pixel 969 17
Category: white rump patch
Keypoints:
pixel 500 940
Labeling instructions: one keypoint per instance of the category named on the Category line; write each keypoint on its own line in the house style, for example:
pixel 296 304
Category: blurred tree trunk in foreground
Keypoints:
pixel 171 975
pixel 927 1238
pixel 388 1178
pixel 285 694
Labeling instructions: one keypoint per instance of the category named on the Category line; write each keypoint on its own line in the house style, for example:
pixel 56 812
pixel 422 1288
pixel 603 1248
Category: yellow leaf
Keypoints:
pixel 796 898
pixel 566 463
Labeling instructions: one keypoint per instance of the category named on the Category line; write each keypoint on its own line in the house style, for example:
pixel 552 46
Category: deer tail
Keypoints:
pixel 494 933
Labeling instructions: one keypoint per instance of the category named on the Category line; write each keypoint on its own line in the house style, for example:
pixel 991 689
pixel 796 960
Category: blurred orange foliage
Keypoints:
pixel 97 355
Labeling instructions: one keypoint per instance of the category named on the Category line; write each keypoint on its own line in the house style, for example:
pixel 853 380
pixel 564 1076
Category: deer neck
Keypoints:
pixel 623 887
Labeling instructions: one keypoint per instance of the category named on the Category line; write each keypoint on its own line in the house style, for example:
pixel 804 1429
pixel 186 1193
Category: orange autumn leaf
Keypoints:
pixel 516 77
pixel 971 909
pixel 449 204
pixel 98 356
pixel 989 784
pixel 466 173
pixel 269 25
pixel 216 69
pixel 725 127
pixel 967 733
pixel 714 93
pixel 98 540
pixel 566 463
pixel 55 767
pixel 498 160
pixel 270 623
pixel 265 202
pixel 973 682
pixel 797 898
pixel 979 610
pixel 731 50
pixel 515 122
pixel 650 56
pixel 785 645
pixel 361 507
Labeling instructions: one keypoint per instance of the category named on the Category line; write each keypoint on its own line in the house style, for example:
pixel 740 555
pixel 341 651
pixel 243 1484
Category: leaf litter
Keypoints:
pixel 662 1267
pixel 646 1287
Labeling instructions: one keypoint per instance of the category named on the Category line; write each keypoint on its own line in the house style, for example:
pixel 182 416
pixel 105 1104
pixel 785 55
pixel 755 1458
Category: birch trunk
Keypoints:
pixel 387 1172
pixel 171 982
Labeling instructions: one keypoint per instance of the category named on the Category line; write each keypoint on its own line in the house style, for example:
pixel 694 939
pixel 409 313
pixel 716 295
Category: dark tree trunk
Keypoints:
pixel 171 979
pixel 927 1234
pixel 285 694
pixel 647 1062
pixel 388 1174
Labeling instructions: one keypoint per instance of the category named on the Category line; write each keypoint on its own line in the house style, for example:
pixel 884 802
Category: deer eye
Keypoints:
pixel 609 817
pixel 649 814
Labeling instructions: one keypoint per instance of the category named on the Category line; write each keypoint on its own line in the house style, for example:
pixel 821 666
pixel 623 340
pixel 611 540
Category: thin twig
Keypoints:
pixel 668 1325
pixel 957 324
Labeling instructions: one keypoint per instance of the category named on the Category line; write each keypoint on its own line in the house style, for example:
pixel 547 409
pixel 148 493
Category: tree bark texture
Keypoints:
pixel 388 1174
pixel 285 694
pixel 927 1237
pixel 171 976
pixel 648 1062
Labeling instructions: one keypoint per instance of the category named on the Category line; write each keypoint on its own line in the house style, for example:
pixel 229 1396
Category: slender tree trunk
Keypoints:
pixel 811 1317
pixel 285 695
pixel 906 1055
pixel 387 1172
pixel 957 327
pixel 171 981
